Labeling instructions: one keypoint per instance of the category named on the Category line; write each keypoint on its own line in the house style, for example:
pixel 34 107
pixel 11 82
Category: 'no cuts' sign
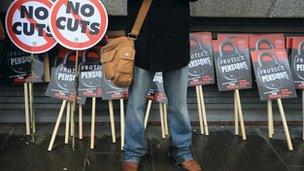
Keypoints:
pixel 27 25
pixel 78 24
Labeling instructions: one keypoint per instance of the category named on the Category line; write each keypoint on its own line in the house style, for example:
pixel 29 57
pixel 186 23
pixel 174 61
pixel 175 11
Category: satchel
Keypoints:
pixel 118 56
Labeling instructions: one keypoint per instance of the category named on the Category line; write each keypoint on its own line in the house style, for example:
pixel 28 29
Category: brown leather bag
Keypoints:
pixel 117 57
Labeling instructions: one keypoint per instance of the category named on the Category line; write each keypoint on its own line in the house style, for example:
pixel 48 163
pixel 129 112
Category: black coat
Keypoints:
pixel 163 43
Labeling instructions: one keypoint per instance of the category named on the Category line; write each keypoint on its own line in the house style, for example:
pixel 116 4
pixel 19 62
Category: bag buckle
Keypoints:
pixel 132 36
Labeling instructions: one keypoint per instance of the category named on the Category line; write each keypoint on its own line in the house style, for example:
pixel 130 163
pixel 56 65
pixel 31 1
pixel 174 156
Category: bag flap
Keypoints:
pixel 113 44
pixel 109 51
pixel 126 52
pixel 108 56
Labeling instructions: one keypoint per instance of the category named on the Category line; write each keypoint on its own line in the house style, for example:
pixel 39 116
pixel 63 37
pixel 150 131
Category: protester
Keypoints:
pixel 162 46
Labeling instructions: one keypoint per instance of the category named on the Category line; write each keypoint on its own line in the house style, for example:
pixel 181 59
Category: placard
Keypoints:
pixel 289 46
pixel 232 63
pixel 201 66
pixel 231 36
pixel 27 25
pixel 78 24
pixel 111 92
pixel 19 66
pixel 273 74
pixel 157 89
pixel 297 62
pixel 62 82
pixel 90 74
pixel 266 41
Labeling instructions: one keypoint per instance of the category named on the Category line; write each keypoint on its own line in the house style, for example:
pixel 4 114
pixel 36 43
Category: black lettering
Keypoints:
pixel 40 29
pixel 15 28
pixel 48 32
pixel 28 29
pixel 94 28
pixel 41 13
pixel 27 13
pixel 69 24
pixel 87 10
pixel 70 6
pixel 84 25
pixel 59 23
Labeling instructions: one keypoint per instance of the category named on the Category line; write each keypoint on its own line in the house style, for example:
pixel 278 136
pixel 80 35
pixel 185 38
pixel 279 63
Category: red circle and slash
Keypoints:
pixel 65 39
pixel 20 41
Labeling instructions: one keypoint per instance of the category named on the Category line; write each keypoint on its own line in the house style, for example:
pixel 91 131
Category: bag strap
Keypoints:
pixel 141 16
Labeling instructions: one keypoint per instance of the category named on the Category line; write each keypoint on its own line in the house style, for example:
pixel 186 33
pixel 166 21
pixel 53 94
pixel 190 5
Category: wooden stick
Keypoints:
pixel 270 119
pixel 46 62
pixel 67 122
pixel 303 110
pixel 285 125
pixel 93 122
pixel 57 125
pixel 162 120
pixel 26 107
pixel 32 112
pixel 200 115
pixel 236 113
pixel 80 122
pixel 122 123
pixel 74 101
pixel 166 119
pixel 112 121
pixel 241 114
pixel 72 120
pixel 73 104
pixel 31 94
pixel 203 109
pixel 272 124
pixel 147 115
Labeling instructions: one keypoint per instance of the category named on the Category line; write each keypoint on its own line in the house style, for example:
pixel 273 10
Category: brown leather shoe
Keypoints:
pixel 191 165
pixel 130 166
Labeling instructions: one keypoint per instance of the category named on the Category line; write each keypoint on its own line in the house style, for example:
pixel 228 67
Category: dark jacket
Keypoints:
pixel 163 43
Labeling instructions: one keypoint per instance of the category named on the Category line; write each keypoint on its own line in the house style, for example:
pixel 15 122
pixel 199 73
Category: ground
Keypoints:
pixel 221 150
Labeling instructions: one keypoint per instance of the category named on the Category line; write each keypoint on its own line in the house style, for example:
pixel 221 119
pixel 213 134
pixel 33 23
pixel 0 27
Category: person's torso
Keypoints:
pixel 163 43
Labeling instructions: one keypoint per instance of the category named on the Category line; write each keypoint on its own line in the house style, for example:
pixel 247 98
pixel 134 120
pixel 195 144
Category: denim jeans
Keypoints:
pixel 175 84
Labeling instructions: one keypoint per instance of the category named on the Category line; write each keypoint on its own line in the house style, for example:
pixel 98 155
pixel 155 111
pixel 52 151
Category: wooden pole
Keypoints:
pixel 112 121
pixel 166 120
pixel 31 94
pixel 203 109
pixel 67 122
pixel 303 110
pixel 93 122
pixel 287 134
pixel 74 101
pixel 122 123
pixel 147 115
pixel 57 125
pixel 270 119
pixel 80 122
pixel 236 113
pixel 46 62
pixel 32 112
pixel 26 107
pixel 72 120
pixel 240 114
pixel 162 120
pixel 200 115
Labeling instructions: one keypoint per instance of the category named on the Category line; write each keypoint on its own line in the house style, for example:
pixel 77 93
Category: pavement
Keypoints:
pixel 221 150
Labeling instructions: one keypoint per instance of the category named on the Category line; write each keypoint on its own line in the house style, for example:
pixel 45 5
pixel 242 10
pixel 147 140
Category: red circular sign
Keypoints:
pixel 27 25
pixel 78 24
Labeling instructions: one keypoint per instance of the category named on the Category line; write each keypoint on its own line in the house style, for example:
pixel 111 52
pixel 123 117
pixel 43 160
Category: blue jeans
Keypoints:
pixel 175 84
